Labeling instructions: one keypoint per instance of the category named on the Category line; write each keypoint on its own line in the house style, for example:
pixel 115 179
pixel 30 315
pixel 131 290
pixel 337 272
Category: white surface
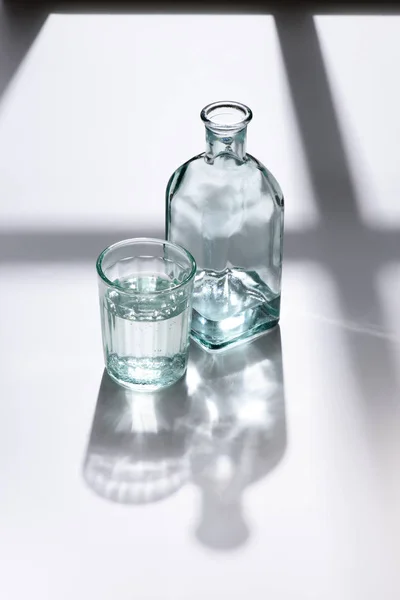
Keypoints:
pixel 98 116
pixel 104 109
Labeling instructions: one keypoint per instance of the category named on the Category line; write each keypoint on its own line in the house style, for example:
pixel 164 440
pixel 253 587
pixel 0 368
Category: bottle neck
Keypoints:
pixel 226 143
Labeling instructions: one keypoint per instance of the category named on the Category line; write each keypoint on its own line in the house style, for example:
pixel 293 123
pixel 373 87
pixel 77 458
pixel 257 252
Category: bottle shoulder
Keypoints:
pixel 275 188
pixel 178 175
pixel 227 172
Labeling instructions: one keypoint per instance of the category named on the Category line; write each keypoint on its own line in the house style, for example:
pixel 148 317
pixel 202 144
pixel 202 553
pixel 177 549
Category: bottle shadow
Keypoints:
pixel 221 428
pixel 243 437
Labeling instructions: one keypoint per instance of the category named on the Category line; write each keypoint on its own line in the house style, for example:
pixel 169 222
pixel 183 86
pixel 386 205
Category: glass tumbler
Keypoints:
pixel 145 288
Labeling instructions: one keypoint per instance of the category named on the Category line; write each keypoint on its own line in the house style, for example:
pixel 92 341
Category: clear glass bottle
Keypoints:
pixel 226 208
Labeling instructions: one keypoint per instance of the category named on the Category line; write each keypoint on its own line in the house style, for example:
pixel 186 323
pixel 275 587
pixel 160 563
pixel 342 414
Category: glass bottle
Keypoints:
pixel 226 208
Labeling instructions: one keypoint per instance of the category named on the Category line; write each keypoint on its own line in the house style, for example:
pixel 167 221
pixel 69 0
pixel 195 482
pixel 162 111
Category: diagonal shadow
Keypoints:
pixel 352 253
pixel 19 26
pixel 317 121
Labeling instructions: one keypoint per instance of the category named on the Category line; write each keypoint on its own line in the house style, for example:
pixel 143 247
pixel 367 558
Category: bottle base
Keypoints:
pixel 231 306
pixel 212 345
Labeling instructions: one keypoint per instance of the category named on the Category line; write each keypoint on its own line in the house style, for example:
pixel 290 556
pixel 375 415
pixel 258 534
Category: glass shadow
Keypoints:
pixel 139 445
pixel 221 428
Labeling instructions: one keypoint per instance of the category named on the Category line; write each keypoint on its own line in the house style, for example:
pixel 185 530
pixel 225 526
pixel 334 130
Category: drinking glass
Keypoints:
pixel 145 288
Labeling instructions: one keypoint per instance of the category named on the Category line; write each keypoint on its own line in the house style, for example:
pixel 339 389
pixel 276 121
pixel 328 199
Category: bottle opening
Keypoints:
pixel 226 116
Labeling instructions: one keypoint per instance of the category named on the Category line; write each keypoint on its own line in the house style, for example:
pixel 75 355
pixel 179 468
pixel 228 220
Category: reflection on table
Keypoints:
pixel 222 428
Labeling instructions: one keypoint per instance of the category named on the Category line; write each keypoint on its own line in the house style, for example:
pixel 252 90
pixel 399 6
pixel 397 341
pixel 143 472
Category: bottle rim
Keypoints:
pixel 226 115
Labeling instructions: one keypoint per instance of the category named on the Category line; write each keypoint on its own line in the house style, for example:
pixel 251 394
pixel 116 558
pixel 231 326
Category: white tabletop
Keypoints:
pixel 272 471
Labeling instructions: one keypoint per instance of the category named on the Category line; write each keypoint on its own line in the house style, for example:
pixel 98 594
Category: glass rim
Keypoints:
pixel 246 115
pixel 133 241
